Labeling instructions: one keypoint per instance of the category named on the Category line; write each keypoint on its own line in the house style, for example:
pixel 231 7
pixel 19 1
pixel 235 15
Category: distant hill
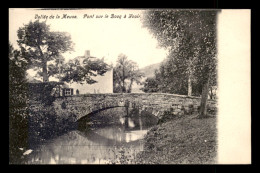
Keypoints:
pixel 149 70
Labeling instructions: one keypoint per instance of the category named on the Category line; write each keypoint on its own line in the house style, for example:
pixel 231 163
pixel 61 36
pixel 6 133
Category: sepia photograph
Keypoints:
pixel 129 86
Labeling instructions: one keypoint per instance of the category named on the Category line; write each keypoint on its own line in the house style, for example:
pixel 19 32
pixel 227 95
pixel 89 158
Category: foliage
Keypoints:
pixel 125 74
pixel 42 91
pixel 26 125
pixel 45 124
pixel 54 68
pixel 169 79
pixel 76 71
pixel 17 78
pixel 190 37
pixel 39 45
pixel 150 85
pixel 18 101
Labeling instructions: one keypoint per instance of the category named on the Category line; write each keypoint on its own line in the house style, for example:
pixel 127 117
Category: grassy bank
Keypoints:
pixel 181 140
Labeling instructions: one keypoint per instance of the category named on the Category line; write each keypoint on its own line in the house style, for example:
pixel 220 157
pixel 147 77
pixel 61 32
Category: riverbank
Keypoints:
pixel 181 140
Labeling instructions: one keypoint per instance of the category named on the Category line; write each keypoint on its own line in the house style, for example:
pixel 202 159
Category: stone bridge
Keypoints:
pixel 156 103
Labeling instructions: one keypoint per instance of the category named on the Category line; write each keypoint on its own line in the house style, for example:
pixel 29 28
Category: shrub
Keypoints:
pixel 166 116
pixel 42 91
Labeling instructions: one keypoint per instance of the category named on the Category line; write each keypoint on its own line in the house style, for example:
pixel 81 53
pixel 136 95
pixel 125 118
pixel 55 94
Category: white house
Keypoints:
pixel 104 83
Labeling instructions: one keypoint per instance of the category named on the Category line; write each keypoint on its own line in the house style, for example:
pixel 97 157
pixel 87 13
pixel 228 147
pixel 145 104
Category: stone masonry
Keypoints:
pixel 81 105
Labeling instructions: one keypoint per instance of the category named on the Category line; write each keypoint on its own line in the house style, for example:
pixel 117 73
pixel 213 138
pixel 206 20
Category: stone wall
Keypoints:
pixel 156 103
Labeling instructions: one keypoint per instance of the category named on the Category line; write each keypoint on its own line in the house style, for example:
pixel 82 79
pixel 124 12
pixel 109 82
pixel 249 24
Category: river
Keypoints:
pixel 110 137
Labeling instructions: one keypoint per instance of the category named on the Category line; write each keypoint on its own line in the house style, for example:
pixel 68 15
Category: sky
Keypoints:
pixel 104 37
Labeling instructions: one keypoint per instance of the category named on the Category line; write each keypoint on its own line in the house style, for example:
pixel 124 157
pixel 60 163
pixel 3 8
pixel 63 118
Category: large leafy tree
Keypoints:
pixel 190 37
pixel 83 69
pixel 39 46
pixel 125 73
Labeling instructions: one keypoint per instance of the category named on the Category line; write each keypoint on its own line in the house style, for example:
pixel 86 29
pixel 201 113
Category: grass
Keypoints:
pixel 182 140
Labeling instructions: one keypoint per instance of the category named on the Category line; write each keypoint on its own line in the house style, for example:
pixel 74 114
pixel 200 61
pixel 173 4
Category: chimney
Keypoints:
pixel 87 54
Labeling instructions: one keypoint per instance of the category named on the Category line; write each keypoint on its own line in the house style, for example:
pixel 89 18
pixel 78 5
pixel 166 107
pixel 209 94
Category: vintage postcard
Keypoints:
pixel 129 86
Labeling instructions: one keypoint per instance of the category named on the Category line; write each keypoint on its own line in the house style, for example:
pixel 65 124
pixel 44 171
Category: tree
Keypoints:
pixel 39 46
pixel 169 78
pixel 80 72
pixel 191 36
pixel 125 74
pixel 54 68
pixel 150 85
pixel 176 30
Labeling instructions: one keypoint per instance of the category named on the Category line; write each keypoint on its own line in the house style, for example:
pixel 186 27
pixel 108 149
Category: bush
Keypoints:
pixel 167 115
pixel 42 91
pixel 46 124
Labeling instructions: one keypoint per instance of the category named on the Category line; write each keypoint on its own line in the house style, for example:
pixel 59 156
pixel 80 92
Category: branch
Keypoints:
pixel 38 46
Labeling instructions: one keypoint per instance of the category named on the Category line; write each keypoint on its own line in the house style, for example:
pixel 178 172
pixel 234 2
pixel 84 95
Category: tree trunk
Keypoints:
pixel 130 86
pixel 189 85
pixel 189 79
pixel 44 72
pixel 211 92
pixel 44 66
pixel 204 99
pixel 123 89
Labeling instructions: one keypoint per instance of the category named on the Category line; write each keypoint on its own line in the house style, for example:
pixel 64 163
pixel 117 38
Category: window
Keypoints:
pixel 68 91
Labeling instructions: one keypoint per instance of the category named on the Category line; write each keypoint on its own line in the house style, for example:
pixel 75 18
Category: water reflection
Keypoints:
pixel 96 144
